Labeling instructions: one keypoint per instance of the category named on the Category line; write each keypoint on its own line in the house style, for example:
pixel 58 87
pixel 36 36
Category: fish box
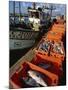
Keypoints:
pixel 15 80
pixel 54 36
pixel 60 21
pixel 56 61
pixel 59 25
pixel 58 50
pixel 50 78
pixel 58 30
pixel 43 47
pixel 48 66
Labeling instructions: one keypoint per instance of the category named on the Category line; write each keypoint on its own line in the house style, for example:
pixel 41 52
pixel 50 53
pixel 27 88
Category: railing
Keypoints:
pixel 23 34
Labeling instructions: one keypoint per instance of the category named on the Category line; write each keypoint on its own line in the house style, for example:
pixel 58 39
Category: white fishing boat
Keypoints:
pixel 22 34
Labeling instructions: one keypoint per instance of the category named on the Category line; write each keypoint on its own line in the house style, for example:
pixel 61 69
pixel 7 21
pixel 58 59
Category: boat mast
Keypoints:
pixel 34 5
pixel 52 8
pixel 14 11
pixel 20 11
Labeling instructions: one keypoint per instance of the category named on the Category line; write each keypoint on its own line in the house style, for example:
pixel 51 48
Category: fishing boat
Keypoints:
pixel 25 29
pixel 21 35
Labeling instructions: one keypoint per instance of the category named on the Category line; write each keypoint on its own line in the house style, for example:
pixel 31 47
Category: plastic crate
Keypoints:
pixel 56 61
pixel 59 25
pixel 50 78
pixel 56 53
pixel 54 36
pixel 41 47
pixel 47 66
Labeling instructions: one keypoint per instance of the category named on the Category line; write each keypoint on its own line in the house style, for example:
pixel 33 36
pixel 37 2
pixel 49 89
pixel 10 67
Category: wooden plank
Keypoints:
pixel 28 57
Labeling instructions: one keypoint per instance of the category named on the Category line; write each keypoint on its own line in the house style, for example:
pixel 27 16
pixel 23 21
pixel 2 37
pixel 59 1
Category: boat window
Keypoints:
pixel 34 14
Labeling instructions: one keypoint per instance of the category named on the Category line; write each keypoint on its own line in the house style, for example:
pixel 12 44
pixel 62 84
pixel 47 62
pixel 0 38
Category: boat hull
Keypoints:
pixel 20 39
pixel 20 44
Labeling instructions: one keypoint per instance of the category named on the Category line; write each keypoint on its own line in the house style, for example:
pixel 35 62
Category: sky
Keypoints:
pixel 60 8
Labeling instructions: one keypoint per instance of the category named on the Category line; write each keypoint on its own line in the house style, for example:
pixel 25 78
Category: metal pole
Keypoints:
pixel 51 10
pixel 34 5
pixel 20 11
pixel 14 11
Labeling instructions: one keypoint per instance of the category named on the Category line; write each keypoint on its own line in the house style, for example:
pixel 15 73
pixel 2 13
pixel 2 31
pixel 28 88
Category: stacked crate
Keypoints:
pixel 55 53
pixel 48 59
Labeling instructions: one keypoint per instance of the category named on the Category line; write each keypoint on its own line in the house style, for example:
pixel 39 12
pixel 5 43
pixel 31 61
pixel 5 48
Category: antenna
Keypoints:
pixel 51 8
pixel 20 11
pixel 14 11
pixel 34 5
